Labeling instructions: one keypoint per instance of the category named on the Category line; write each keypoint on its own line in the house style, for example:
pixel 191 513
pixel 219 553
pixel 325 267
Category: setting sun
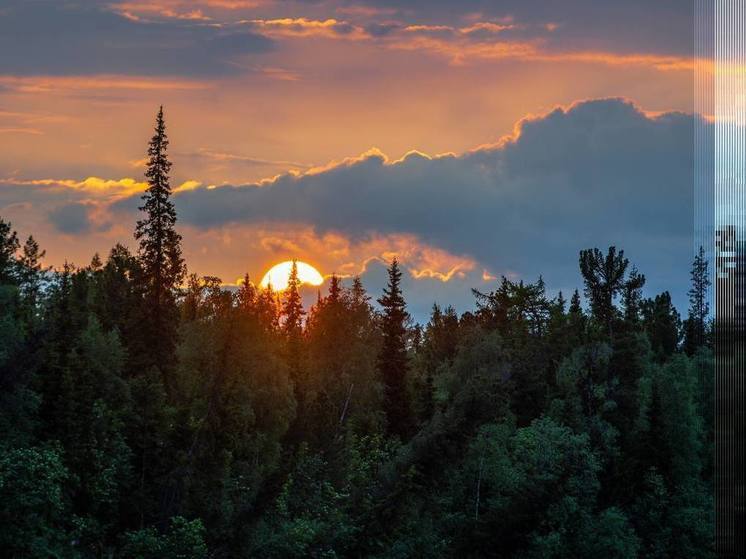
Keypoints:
pixel 277 276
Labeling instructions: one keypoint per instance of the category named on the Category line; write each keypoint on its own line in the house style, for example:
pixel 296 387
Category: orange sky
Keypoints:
pixel 333 80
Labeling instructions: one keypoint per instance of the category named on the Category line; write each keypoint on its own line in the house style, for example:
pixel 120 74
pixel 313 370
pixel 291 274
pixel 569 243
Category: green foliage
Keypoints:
pixel 34 514
pixel 161 262
pixel 184 540
pixel 604 278
pixel 696 324
pixel 8 246
pixel 138 423
pixel 662 323
pixel 309 518
pixel 393 362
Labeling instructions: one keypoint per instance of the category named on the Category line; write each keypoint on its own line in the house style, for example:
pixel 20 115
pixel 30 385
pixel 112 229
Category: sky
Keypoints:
pixel 470 139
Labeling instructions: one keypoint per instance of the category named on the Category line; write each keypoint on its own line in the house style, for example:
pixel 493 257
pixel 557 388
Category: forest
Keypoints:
pixel 146 412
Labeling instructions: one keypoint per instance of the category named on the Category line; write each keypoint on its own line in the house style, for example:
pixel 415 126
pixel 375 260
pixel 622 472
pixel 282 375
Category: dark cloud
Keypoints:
pixel 71 219
pixel 59 38
pixel 598 174
pixel 381 29
pixel 633 26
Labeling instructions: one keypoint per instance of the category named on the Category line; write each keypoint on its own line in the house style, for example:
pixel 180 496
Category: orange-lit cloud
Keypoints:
pixel 98 189
pixel 188 10
pixel 302 27
pixel 33 131
pixel 53 84
pixel 460 51
pixel 107 188
pixel 330 252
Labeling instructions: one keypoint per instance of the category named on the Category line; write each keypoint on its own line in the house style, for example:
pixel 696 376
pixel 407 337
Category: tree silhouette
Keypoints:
pixel 392 359
pixel 8 246
pixel 292 306
pixel 632 296
pixel 160 251
pixel 604 280
pixel 292 328
pixel 246 295
pixel 699 308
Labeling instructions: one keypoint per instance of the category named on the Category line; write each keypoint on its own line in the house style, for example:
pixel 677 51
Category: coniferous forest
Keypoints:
pixel 147 412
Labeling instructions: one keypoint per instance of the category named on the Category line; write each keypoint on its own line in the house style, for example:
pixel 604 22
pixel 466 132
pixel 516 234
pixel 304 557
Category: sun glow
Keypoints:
pixel 278 275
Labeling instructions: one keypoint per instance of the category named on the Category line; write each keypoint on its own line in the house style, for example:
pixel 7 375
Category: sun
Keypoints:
pixel 278 275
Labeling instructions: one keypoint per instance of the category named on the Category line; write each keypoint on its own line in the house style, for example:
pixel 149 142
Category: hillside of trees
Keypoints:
pixel 150 413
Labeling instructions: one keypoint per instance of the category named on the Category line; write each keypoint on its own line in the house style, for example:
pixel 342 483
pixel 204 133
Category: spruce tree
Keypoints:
pixel 392 359
pixel 292 307
pixel 8 247
pixel 292 327
pixel 335 289
pixel 632 296
pixel 30 271
pixel 246 296
pixel 160 257
pixel 699 308
pixel 662 323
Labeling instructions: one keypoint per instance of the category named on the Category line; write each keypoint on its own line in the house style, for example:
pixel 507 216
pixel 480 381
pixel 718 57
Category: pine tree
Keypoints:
pixel 30 271
pixel 96 265
pixel 292 306
pixel 267 309
pixel 632 296
pixel 163 267
pixel 604 280
pixel 246 296
pixel 8 247
pixel 292 325
pixel 695 329
pixel 662 323
pixel 335 289
pixel 392 359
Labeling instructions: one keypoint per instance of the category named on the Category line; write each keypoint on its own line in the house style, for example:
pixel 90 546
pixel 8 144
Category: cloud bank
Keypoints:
pixel 596 173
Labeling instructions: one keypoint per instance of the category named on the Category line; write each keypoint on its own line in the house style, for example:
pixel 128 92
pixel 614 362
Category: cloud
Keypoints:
pixel 534 41
pixel 596 173
pixel 663 27
pixel 32 131
pixel 215 38
pixel 64 84
pixel 92 186
pixel 59 38
pixel 233 158
pixel 303 27
pixel 71 219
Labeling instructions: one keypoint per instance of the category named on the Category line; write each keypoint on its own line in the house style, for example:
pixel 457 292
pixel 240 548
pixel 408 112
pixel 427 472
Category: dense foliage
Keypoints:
pixel 246 426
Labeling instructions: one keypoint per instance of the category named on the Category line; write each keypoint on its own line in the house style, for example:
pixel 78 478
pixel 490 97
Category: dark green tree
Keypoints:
pixel 160 257
pixel 8 247
pixel 34 511
pixel 632 296
pixel 393 361
pixel 292 307
pixel 695 326
pixel 30 271
pixel 662 323
pixel 604 280
pixel 246 296
pixel 576 319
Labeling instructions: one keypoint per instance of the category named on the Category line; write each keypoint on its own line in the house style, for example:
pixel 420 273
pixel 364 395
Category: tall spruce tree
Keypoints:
pixel 392 359
pixel 695 328
pixel 160 256
pixel 292 307
pixel 292 328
